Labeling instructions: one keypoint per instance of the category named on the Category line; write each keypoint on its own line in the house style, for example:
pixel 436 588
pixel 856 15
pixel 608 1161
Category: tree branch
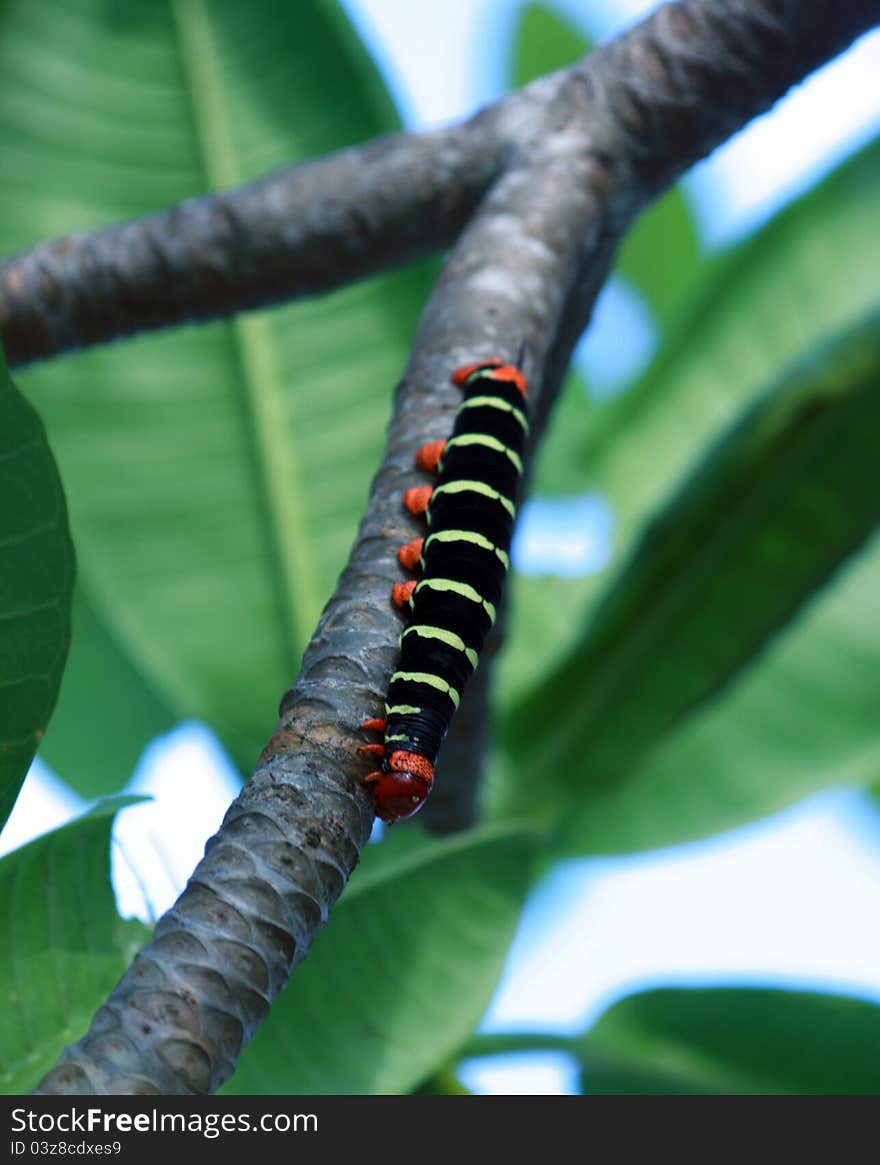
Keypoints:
pixel 526 268
pixel 299 231
pixel 671 88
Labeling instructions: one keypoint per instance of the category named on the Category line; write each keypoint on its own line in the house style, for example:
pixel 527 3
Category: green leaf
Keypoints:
pixel 763 521
pixel 806 276
pixel 36 584
pixel 107 712
pixel 215 474
pixel 64 947
pixel 734 1041
pixel 543 42
pixel 558 471
pixel 660 255
pixel 803 720
pixel 403 975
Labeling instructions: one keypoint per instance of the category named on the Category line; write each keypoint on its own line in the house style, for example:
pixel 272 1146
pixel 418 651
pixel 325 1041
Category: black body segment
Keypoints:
pixel 464 562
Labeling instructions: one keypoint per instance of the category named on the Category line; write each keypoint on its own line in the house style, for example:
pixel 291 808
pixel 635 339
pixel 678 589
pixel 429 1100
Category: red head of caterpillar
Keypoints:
pixel 400 787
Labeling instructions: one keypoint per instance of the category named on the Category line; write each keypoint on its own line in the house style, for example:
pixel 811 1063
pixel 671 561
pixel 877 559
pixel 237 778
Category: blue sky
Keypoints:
pixel 792 900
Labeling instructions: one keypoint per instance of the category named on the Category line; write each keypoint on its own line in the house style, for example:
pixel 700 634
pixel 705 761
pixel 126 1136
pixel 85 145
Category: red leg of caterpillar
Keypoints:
pixel 428 456
pixel 376 724
pixel 401 593
pixel 410 554
pixel 416 498
pixel 372 750
pixel 372 778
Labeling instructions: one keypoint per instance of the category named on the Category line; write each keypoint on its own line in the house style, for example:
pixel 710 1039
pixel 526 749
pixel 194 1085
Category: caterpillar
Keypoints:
pixel 461 563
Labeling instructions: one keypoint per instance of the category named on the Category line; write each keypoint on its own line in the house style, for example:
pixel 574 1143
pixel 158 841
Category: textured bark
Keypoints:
pixel 299 231
pixel 612 132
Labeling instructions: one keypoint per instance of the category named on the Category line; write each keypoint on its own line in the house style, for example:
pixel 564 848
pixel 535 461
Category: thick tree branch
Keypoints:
pixel 668 91
pixel 526 269
pixel 301 230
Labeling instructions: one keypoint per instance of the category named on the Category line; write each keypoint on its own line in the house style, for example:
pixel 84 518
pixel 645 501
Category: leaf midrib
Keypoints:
pixel 275 465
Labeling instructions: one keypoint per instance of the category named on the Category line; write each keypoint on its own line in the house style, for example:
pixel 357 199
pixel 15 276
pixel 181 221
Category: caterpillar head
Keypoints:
pixel 494 368
pixel 403 785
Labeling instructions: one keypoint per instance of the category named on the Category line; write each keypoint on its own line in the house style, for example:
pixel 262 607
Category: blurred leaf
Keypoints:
pixel 660 255
pixel 65 946
pixel 558 470
pixel 403 975
pixel 216 474
pixel 100 679
pixel 762 522
pixel 36 584
pixel 802 720
pixel 805 277
pixel 543 42
pixel 442 1083
pixel 734 1041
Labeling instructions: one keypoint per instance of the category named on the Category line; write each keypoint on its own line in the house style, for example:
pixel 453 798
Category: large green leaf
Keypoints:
pixel 770 513
pixel 64 945
pixel 805 277
pixel 215 474
pixel 639 451
pixel 802 720
pixel 100 672
pixel 36 585
pixel 734 1041
pixel 403 974
pixel 660 254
